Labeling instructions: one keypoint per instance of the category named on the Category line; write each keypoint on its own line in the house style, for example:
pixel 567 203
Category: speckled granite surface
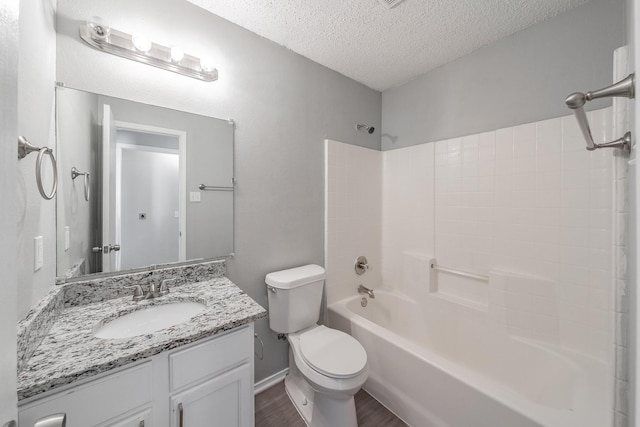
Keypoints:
pixel 35 325
pixel 70 352
pixel 106 288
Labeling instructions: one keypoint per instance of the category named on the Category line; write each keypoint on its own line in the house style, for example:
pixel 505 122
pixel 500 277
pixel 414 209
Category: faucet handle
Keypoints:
pixel 164 286
pixel 361 265
pixel 138 293
pixel 151 291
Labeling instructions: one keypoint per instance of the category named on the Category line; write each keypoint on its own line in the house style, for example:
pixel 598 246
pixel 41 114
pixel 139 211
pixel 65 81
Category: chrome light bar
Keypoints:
pixel 123 44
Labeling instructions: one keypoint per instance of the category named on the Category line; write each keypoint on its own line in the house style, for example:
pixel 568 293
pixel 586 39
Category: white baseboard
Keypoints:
pixel 270 381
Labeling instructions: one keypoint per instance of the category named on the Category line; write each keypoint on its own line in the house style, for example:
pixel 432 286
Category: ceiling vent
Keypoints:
pixel 390 3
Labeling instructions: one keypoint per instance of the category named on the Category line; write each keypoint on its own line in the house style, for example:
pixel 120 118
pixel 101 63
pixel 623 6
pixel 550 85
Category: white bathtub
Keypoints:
pixel 434 364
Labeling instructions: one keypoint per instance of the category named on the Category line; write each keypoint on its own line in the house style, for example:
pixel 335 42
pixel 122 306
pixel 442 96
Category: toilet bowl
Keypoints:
pixel 326 366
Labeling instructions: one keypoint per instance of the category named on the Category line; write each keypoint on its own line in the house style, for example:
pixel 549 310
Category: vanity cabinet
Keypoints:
pixel 206 383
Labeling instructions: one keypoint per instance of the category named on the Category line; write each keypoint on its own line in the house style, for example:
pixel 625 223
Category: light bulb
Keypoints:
pixel 141 42
pixel 206 64
pixel 177 53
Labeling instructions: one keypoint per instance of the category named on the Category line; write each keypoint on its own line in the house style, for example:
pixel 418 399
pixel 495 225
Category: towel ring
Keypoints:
pixel 75 173
pixel 24 148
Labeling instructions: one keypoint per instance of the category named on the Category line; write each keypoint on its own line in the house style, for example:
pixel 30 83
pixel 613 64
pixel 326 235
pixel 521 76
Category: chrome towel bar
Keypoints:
pixel 576 101
pixel 24 148
pixel 214 188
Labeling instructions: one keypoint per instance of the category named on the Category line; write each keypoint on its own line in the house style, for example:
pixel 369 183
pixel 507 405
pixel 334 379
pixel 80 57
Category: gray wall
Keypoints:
pixel 284 106
pixel 519 79
pixel 36 106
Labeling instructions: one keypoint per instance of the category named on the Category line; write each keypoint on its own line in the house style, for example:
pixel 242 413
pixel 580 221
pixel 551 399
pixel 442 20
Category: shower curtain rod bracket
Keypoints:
pixel 575 101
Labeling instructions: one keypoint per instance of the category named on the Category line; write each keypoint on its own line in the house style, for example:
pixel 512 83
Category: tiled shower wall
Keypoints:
pixel 527 200
pixel 353 219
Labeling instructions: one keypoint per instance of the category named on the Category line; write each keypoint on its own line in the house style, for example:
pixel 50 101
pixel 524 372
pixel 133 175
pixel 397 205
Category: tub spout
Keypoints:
pixel 364 290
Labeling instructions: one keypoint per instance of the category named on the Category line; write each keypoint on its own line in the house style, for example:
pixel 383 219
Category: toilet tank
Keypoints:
pixel 295 296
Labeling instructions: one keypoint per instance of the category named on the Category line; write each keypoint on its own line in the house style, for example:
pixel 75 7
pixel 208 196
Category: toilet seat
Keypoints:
pixel 332 353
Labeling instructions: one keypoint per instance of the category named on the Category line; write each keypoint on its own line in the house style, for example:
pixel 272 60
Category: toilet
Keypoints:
pixel 326 367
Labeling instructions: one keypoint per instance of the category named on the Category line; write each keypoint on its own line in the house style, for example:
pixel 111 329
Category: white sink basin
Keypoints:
pixel 149 320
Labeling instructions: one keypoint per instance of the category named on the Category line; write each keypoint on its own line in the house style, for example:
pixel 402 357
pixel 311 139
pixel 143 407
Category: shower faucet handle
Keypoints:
pixel 361 266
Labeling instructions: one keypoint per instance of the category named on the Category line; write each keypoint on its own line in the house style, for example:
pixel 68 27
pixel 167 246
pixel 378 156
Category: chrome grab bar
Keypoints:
pixel 24 148
pixel 576 101
pixel 460 273
pixel 76 173
pixel 214 188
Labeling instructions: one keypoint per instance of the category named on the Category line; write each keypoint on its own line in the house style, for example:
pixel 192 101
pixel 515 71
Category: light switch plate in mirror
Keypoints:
pixel 144 161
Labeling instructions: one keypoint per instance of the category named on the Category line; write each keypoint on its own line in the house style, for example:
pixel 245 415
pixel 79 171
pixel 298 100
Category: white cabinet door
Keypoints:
pixel 224 401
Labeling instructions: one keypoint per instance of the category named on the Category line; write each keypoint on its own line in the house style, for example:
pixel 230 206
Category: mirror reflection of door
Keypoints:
pixel 143 186
pixel 148 204
pixel 108 146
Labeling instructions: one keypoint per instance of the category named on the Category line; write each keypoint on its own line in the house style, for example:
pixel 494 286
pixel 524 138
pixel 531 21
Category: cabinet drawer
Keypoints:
pixel 140 419
pixel 96 401
pixel 201 361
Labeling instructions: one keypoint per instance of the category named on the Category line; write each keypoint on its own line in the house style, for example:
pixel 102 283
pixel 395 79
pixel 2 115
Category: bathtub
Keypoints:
pixel 437 364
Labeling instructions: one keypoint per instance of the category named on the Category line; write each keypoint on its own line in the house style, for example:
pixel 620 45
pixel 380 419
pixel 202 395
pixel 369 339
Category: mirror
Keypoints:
pixel 139 185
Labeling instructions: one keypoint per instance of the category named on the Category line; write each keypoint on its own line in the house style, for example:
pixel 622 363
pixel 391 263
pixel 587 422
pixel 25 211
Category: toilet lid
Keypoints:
pixel 332 353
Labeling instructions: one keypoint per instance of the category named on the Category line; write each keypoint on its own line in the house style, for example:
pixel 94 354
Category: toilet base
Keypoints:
pixel 329 411
pixel 301 395
pixel 319 409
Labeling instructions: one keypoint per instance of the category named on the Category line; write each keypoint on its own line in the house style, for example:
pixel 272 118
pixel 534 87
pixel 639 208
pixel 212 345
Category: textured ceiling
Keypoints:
pixel 383 47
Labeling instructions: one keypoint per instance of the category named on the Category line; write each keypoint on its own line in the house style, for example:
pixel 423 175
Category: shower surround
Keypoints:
pixel 526 206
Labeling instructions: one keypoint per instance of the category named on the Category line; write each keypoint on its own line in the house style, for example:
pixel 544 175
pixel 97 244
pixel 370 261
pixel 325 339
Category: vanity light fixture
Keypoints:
pixel 177 53
pixel 141 42
pixel 140 48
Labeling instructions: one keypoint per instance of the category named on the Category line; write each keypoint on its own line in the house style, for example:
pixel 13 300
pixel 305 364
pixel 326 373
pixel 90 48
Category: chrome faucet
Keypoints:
pixel 364 290
pixel 152 292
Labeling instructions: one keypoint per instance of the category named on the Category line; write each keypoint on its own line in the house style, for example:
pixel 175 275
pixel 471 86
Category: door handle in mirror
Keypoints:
pixel 11 423
pixel 106 249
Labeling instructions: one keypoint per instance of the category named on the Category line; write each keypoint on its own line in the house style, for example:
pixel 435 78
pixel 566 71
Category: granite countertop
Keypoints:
pixel 69 351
